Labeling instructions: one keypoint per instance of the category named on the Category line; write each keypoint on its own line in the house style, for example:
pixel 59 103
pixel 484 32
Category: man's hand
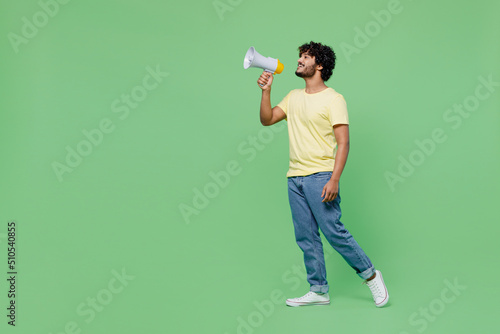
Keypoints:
pixel 265 80
pixel 330 190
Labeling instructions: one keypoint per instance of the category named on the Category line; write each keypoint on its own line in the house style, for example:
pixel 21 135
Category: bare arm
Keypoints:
pixel 331 189
pixel 341 132
pixel 268 115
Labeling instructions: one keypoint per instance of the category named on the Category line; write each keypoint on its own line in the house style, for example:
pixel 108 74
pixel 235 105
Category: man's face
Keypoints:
pixel 306 66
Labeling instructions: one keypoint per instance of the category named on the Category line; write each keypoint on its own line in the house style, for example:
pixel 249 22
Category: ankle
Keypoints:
pixel 373 276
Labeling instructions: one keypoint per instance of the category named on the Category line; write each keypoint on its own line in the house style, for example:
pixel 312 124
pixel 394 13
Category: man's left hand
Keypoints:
pixel 330 191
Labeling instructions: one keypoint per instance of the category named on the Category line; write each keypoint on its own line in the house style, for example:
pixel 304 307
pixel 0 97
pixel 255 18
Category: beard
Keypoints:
pixel 307 72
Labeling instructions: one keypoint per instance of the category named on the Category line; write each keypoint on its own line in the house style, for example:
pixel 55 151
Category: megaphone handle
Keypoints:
pixel 266 70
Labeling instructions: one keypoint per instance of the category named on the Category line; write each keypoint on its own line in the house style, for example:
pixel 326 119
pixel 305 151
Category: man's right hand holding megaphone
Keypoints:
pixel 265 80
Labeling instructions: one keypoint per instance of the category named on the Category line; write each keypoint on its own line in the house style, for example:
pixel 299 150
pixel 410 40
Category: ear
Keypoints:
pixel 319 67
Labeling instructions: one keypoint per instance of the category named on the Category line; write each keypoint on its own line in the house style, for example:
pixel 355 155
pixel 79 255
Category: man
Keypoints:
pixel 318 129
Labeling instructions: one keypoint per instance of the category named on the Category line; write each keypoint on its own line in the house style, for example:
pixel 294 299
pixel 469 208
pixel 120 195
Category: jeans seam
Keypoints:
pixel 314 245
pixel 361 259
pixel 315 251
pixel 313 242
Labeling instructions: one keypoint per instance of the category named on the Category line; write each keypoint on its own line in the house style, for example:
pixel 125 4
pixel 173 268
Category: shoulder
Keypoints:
pixel 295 92
pixel 333 94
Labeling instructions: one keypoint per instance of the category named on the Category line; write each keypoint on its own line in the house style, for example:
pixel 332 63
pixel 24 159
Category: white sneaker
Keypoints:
pixel 310 298
pixel 378 289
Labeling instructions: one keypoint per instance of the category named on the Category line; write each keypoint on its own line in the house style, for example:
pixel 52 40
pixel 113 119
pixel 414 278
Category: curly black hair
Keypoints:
pixel 324 56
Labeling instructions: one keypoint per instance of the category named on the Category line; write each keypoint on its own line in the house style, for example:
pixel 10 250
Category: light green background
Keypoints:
pixel 120 207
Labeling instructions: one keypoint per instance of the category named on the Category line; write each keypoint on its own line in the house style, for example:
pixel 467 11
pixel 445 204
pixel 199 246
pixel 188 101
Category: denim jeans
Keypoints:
pixel 309 213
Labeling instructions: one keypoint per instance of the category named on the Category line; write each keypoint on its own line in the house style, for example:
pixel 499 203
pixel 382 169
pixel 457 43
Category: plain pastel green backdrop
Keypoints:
pixel 228 266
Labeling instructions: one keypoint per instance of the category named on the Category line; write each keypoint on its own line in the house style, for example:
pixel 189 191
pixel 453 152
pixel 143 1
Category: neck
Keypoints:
pixel 314 85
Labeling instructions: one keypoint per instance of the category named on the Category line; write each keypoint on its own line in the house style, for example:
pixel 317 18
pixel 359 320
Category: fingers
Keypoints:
pixel 265 74
pixel 262 81
pixel 330 196
pixel 265 79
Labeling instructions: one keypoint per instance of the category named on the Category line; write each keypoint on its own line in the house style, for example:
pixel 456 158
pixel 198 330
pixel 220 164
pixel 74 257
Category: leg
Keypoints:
pixel 307 236
pixel 328 214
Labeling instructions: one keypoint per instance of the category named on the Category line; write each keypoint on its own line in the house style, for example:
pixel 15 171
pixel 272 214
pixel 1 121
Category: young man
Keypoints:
pixel 318 129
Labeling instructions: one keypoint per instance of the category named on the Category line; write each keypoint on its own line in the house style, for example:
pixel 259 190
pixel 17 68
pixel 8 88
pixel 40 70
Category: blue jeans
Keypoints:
pixel 309 213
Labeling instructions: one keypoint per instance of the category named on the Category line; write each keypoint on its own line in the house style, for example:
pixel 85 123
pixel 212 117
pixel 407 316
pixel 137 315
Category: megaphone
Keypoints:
pixel 255 59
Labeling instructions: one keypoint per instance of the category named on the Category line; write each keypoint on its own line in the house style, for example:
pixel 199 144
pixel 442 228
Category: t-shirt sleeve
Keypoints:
pixel 338 111
pixel 284 103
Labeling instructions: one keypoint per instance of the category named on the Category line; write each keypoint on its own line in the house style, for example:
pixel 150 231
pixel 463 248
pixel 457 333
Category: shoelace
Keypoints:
pixel 374 288
pixel 306 295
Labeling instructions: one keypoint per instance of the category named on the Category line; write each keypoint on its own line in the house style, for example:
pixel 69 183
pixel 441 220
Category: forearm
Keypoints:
pixel 266 112
pixel 340 161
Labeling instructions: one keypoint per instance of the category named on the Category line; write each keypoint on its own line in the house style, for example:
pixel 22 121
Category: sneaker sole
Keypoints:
pixel 294 304
pixel 387 298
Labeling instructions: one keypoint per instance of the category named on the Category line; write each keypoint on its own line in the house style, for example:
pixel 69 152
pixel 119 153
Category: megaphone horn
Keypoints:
pixel 255 59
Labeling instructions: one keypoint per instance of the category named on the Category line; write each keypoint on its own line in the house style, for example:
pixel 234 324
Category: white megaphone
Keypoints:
pixel 255 59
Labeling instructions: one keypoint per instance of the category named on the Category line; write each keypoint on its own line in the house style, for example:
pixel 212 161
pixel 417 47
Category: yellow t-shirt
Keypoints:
pixel 311 118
